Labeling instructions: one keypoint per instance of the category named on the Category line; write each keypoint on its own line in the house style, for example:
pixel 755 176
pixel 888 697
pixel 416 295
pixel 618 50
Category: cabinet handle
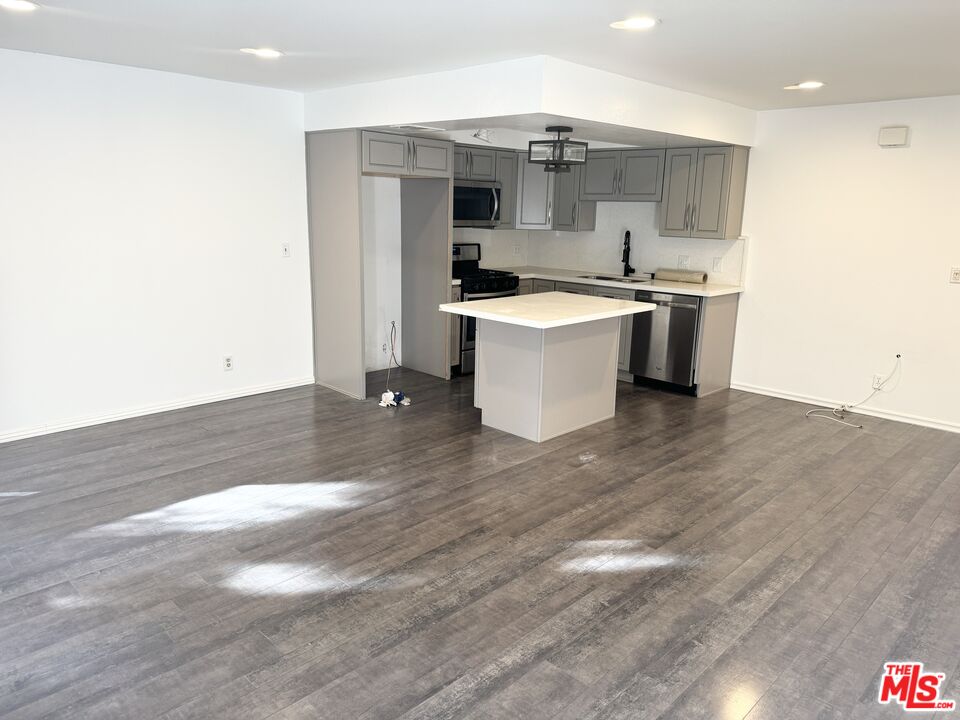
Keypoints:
pixel 469 163
pixel 573 216
pixel 693 218
pixel 686 213
pixel 410 156
pixel 620 187
pixel 414 143
pixel 549 213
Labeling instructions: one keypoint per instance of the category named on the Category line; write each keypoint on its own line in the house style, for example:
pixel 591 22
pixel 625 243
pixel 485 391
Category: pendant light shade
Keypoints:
pixel 557 155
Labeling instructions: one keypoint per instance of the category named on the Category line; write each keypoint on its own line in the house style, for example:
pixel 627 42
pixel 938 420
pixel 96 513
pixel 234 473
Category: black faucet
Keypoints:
pixel 627 270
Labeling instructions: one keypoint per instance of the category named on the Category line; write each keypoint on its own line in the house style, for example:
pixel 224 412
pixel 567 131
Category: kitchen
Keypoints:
pixel 506 210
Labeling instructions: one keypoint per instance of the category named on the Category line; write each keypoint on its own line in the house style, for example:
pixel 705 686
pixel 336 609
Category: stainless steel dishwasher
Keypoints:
pixel 664 343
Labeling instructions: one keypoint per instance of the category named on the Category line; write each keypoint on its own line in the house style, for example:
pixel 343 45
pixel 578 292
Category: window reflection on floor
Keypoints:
pixel 240 505
pixel 618 556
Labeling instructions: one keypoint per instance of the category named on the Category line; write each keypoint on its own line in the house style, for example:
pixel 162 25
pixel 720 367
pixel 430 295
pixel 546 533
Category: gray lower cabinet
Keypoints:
pixel 703 191
pixel 474 163
pixel 626 324
pixel 525 287
pixel 540 286
pixel 551 201
pixel 389 154
pixel 623 175
pixel 507 177
pixel 577 288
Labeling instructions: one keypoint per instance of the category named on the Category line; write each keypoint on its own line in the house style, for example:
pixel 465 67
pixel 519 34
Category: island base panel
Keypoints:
pixel 539 384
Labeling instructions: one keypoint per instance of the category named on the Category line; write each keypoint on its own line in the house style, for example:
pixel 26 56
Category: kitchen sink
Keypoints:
pixel 636 281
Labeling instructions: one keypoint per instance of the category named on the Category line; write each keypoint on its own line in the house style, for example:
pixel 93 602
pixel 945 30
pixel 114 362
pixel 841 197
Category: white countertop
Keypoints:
pixel 547 310
pixel 456 282
pixel 681 288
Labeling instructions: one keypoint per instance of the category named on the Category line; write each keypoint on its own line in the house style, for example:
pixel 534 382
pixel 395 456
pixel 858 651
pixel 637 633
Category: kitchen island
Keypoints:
pixel 546 363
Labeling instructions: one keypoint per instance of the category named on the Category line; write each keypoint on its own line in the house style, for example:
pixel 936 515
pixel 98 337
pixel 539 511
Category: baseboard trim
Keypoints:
pixel 36 431
pixel 872 412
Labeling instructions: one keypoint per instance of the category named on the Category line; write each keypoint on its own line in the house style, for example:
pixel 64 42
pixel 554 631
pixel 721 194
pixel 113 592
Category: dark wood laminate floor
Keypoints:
pixel 300 555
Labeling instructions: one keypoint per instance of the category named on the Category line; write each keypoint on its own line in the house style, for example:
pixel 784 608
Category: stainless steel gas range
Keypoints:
pixel 476 283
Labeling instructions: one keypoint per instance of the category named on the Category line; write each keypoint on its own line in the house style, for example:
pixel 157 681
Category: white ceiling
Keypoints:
pixel 742 51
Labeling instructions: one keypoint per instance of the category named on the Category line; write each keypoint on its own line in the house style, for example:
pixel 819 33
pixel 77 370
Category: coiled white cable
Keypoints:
pixel 837 413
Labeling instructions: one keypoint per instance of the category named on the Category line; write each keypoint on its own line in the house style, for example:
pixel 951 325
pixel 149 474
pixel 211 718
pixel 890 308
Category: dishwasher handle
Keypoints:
pixel 667 300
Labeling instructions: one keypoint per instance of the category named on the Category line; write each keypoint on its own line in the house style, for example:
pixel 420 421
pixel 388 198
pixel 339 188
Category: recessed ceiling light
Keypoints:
pixel 268 53
pixel 805 85
pixel 19 5
pixel 635 23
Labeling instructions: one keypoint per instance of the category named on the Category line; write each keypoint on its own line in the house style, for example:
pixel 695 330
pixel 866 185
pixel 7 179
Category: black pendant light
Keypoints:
pixel 560 154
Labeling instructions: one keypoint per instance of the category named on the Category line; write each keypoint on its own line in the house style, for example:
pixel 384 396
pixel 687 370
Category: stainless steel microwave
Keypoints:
pixel 476 203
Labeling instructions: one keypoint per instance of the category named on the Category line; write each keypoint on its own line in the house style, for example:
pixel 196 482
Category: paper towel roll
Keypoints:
pixel 689 276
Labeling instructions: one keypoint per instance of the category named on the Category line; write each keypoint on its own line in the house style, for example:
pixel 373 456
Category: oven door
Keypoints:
pixel 468 331
pixel 476 204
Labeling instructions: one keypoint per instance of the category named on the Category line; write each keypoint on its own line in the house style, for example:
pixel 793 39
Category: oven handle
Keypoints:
pixel 485 296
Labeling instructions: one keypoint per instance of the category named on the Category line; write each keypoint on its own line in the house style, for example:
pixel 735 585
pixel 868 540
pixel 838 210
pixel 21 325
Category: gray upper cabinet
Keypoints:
pixel 601 175
pixel 472 163
pixel 551 201
pixel 385 153
pixel 703 192
pixel 641 175
pixel 431 158
pixel 507 177
pixel 388 154
pixel 534 196
pixel 679 182
pixel 618 175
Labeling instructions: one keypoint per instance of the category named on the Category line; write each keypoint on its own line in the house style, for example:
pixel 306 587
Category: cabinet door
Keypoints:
pixel 575 288
pixel 507 177
pixel 525 287
pixel 679 182
pixel 709 210
pixel 601 176
pixel 566 196
pixel 626 325
pixel 482 164
pixel 535 196
pixel 385 153
pixel 641 175
pixel 432 158
pixel 540 286
pixel 459 162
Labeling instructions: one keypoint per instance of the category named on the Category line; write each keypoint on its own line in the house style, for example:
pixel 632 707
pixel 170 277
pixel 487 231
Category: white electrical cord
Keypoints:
pixel 837 414
pixel 393 351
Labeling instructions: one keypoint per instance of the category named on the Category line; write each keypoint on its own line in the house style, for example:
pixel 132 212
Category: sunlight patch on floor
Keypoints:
pixel 282 579
pixel 240 505
pixel 617 556
pixel 18 493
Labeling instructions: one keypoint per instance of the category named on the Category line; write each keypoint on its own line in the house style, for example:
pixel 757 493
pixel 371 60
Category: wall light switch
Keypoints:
pixel 285 249
pixel 683 262
pixel 955 275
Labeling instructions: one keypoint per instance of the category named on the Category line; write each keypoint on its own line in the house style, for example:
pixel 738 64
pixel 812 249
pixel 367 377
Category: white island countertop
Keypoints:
pixel 573 276
pixel 547 310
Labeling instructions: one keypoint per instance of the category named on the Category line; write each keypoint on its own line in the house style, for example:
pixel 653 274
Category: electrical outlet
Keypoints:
pixel 384 348
pixel 227 363
pixel 516 249
pixel 877 381
pixel 683 262
pixel 955 275
pixel 285 249
pixel 718 264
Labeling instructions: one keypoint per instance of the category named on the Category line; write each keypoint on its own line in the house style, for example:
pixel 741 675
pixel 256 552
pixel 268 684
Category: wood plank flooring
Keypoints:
pixel 301 555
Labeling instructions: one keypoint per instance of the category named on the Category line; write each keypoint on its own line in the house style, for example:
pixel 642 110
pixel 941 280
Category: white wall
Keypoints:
pixel 382 269
pixel 601 250
pixel 141 221
pixel 850 251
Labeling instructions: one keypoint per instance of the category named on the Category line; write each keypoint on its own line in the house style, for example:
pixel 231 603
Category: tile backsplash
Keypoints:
pixel 600 250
